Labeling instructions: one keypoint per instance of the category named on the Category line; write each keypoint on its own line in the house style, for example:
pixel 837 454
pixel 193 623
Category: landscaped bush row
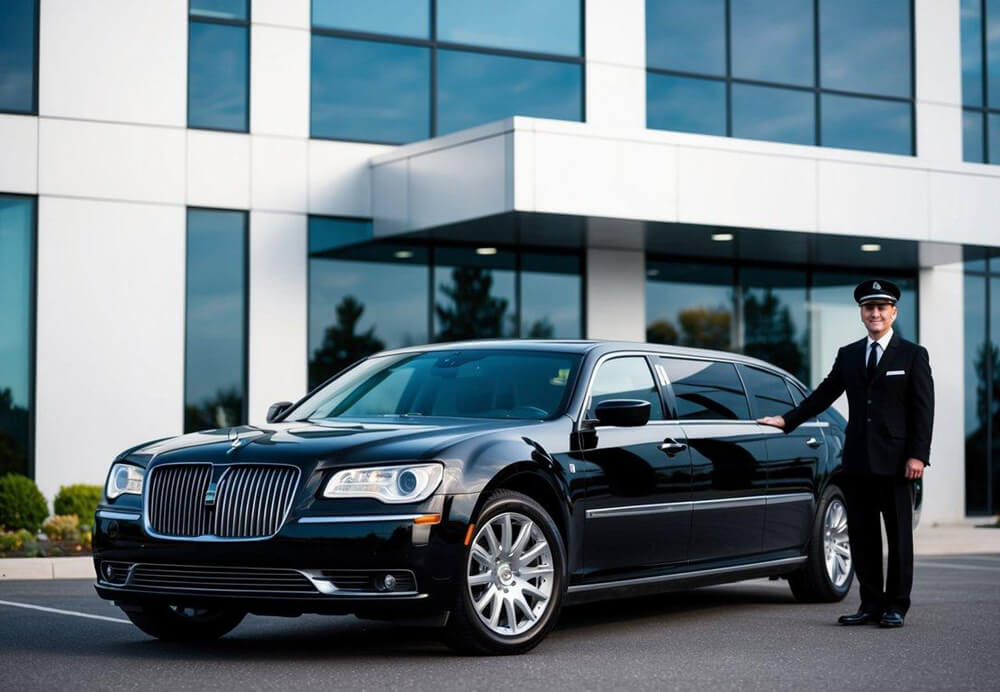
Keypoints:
pixel 23 511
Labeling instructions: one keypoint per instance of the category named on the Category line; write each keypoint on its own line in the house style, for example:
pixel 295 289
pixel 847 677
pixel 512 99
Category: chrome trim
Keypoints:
pixel 721 503
pixel 358 518
pixel 686 575
pixel 636 510
pixel 790 497
pixel 126 516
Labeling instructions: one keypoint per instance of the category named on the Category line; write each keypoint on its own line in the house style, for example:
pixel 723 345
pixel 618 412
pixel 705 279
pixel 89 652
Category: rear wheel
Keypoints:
pixel 180 624
pixel 828 571
pixel 512 579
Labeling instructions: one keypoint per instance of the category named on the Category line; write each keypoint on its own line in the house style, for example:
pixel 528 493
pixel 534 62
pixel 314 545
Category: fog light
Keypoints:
pixel 388 582
pixel 108 570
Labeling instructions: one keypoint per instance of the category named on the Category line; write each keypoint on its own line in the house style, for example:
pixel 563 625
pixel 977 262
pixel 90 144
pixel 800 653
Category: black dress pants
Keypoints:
pixel 868 497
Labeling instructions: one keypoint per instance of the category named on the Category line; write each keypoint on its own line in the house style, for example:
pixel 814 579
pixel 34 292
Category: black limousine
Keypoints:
pixel 480 485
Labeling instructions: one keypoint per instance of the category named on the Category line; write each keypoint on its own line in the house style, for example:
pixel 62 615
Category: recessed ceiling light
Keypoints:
pixel 486 251
pixel 722 237
pixel 870 247
pixel 652 272
pixel 403 254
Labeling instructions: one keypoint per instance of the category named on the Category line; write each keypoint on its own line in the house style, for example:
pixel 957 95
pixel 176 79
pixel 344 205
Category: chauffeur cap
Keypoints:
pixel 876 290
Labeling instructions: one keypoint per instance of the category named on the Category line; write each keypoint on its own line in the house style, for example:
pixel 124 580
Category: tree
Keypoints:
pixel 473 313
pixel 342 345
pixel 224 410
pixel 770 334
pixel 541 329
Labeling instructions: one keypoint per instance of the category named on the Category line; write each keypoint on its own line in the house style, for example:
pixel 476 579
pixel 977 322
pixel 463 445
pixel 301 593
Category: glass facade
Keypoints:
pixel 215 334
pixel 368 296
pixel 394 72
pixel 18 56
pixel 981 81
pixel 219 65
pixel 17 282
pixel 825 72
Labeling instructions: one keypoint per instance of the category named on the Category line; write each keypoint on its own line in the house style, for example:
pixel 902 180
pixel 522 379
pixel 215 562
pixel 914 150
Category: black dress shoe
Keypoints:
pixel 891 618
pixel 862 617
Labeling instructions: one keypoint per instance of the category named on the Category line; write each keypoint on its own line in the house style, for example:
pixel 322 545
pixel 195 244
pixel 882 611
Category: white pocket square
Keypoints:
pixel 895 372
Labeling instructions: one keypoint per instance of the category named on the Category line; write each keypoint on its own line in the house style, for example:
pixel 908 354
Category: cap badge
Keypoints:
pixel 877 286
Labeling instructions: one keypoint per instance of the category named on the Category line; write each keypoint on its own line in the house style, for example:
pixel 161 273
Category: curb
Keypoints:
pixel 47 568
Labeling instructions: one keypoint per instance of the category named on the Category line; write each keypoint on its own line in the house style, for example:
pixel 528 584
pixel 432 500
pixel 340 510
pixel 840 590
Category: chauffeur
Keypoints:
pixel 890 394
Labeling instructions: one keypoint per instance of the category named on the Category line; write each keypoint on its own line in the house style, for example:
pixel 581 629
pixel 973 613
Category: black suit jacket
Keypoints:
pixel 890 417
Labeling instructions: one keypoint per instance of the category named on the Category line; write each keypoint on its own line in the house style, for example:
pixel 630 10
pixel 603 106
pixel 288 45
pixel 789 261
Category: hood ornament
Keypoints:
pixel 236 442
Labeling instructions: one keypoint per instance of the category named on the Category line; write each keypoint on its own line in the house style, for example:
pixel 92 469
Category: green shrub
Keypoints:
pixel 21 503
pixel 12 541
pixel 62 527
pixel 79 499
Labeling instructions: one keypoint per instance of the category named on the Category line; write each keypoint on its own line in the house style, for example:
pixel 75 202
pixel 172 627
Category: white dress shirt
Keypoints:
pixel 883 343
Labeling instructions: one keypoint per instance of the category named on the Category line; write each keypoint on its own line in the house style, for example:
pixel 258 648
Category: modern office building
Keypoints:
pixel 209 206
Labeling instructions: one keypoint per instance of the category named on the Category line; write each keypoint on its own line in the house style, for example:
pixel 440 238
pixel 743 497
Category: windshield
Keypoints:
pixel 463 384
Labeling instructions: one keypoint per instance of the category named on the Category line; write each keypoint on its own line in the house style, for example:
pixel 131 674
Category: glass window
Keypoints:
pixel 772 41
pixel 474 295
pixel 476 88
pixel 972 136
pixel 395 17
pixel 993 120
pixel 625 378
pixel 768 392
pixel 775 324
pixel 706 390
pixel 777 115
pixel 221 9
pixel 541 26
pixel 18 33
pixel 993 52
pixel 218 76
pixel 17 266
pixel 865 46
pixel 216 329
pixel 551 296
pixel 369 90
pixel 686 36
pixel 690 304
pixel 972 53
pixel 868 124
pixel 980 355
pixel 684 104
pixel 362 298
pixel 993 479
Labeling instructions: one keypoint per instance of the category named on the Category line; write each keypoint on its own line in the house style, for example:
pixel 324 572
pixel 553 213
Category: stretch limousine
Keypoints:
pixel 482 486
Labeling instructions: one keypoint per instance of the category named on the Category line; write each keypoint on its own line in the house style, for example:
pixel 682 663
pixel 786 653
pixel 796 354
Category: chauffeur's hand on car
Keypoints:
pixel 776 421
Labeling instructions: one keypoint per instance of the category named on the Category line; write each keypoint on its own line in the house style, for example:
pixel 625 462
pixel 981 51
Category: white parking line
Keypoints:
pixel 63 612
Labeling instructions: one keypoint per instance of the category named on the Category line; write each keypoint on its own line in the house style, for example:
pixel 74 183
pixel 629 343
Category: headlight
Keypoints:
pixel 392 484
pixel 124 478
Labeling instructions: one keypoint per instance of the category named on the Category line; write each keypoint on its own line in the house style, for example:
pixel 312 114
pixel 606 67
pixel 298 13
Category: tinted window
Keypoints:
pixel 18 27
pixel 772 40
pixel 972 53
pixel 686 36
pixel 972 136
pixel 775 317
pixel 993 52
pixel 625 378
pixel 993 120
pixel 685 104
pixel 865 46
pixel 474 294
pixel 551 293
pixel 218 74
pixel 776 115
pixel 868 124
pixel 769 392
pixel 542 26
pixel 396 17
pixel 222 9
pixel 797 397
pixel 705 390
pixel 690 304
pixel 369 90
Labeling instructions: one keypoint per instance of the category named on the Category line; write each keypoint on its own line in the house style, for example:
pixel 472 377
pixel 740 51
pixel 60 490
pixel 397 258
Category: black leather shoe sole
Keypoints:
pixel 858 619
pixel 891 623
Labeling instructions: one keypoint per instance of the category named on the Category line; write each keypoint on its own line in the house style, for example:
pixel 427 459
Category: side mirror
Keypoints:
pixel 274 411
pixel 623 413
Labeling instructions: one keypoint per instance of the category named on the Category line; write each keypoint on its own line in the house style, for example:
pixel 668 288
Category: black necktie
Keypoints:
pixel 872 361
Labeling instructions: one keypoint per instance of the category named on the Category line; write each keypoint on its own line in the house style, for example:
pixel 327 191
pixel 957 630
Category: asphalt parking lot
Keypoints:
pixel 747 636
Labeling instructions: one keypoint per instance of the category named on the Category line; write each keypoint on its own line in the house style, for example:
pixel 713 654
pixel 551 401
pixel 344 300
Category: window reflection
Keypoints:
pixel 542 26
pixel 775 325
pixel 705 390
pixel 369 90
pixel 550 296
pixel 777 115
pixel 993 121
pixel 865 46
pixel 475 88
pixel 684 104
pixel 972 136
pixel 473 294
pixel 868 124
pixel 772 40
pixel 18 29
pixel 394 17
pixel 980 358
pixel 215 330
pixel 220 9
pixel 993 377
pixel 218 73
pixel 17 266
pixel 686 36
pixel 993 53
pixel 689 304
pixel 972 53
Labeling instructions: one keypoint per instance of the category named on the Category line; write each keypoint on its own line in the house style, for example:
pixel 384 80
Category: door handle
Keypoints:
pixel 813 442
pixel 672 447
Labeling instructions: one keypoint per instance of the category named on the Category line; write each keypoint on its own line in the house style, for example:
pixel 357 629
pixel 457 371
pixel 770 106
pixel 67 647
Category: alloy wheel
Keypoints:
pixel 836 543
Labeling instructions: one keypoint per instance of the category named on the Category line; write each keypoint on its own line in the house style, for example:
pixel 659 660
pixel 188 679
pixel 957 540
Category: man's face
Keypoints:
pixel 878 316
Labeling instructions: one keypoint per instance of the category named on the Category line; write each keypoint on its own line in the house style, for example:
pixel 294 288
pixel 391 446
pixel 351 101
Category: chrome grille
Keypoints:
pixel 230 579
pixel 251 501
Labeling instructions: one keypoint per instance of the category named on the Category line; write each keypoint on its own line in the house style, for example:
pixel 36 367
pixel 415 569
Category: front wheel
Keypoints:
pixel 828 571
pixel 512 579
pixel 179 624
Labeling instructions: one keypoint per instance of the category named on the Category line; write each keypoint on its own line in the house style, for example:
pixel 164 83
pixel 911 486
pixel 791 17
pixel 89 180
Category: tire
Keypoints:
pixel 177 624
pixel 495 575
pixel 817 581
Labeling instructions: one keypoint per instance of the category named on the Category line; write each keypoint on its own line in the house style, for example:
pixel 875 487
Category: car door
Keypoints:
pixel 637 515
pixel 791 463
pixel 728 481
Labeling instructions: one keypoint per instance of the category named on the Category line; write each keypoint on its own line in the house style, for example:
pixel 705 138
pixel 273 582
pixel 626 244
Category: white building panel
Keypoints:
pixel 126 162
pixel 279 81
pixel 939 132
pixel 290 13
pixel 616 96
pixel 218 169
pixel 115 60
pixel 278 174
pixel 873 200
pixel 616 32
pixel 938 43
pixel 340 177
pixel 965 207
pixel 391 201
pixel 110 334
pixel 19 158
pixel 278 310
